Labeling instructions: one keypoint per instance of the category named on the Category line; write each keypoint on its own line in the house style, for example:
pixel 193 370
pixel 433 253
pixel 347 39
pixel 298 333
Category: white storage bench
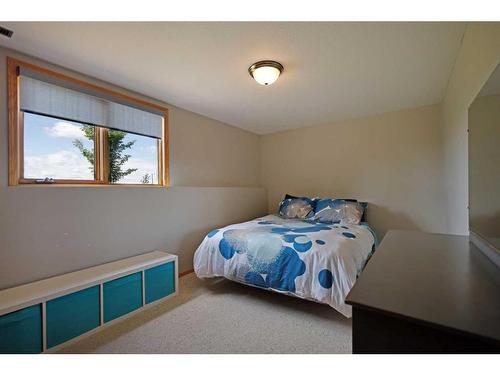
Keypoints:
pixel 40 316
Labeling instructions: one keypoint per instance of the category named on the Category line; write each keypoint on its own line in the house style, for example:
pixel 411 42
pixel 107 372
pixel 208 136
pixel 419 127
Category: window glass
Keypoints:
pixel 133 159
pixel 57 149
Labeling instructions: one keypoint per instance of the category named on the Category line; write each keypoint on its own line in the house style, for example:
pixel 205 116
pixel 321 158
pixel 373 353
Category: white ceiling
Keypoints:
pixel 333 71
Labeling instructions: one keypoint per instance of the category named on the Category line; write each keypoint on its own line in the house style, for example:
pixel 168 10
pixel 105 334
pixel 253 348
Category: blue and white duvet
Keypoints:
pixel 303 258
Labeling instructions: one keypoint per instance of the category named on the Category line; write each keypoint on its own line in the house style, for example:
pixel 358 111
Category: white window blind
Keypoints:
pixel 58 98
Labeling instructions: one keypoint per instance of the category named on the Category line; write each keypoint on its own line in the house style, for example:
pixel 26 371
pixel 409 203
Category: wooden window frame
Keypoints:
pixel 101 167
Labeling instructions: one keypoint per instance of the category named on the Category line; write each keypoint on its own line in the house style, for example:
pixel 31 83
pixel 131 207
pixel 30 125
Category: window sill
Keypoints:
pixel 92 185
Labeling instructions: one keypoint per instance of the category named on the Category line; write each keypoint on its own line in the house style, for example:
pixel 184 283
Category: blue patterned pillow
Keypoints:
pixel 346 211
pixel 296 207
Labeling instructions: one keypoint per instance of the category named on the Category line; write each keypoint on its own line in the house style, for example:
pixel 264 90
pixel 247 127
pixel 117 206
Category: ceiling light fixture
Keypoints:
pixel 266 72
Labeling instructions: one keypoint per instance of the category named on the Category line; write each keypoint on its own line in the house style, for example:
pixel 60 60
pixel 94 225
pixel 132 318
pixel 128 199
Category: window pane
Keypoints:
pixel 133 158
pixel 57 148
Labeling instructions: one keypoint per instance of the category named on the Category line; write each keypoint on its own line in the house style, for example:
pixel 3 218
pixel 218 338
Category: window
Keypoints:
pixel 53 149
pixel 141 166
pixel 66 131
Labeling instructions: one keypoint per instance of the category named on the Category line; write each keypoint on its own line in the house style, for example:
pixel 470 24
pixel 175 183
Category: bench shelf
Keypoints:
pixel 44 315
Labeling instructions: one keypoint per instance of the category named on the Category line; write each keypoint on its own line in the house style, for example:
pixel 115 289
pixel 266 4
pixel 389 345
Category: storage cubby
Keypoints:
pixel 122 296
pixel 21 331
pixel 43 315
pixel 160 281
pixel 73 314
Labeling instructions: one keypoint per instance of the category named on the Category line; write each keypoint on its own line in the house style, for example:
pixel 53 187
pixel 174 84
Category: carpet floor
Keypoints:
pixel 219 316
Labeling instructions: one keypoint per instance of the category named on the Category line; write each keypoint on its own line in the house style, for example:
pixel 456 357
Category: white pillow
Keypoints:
pixel 339 211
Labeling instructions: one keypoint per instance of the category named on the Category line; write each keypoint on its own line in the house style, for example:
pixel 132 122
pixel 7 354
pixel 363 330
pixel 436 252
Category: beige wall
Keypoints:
pixel 478 57
pixel 47 230
pixel 205 152
pixel 484 164
pixel 392 160
pixel 411 165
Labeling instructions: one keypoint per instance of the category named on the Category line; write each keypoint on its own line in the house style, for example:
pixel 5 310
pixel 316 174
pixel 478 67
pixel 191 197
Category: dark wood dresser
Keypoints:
pixel 426 293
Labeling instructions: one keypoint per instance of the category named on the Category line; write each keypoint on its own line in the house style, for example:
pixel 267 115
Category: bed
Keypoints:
pixel 298 257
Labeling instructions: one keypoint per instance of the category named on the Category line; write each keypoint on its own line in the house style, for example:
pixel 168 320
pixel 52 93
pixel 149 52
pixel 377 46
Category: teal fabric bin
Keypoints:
pixel 122 296
pixel 21 331
pixel 160 281
pixel 73 314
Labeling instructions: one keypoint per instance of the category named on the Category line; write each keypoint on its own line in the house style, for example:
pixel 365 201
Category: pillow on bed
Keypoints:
pixel 296 207
pixel 338 211
pixel 364 206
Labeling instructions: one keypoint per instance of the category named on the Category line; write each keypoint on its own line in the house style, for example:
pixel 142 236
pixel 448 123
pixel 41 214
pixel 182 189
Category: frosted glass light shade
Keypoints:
pixel 266 72
pixel 266 75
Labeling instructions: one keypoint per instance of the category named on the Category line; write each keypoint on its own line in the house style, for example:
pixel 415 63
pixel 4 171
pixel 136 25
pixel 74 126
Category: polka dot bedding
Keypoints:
pixel 303 258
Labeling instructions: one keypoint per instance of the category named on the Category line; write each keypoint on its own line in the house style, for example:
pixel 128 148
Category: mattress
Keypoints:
pixel 302 258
